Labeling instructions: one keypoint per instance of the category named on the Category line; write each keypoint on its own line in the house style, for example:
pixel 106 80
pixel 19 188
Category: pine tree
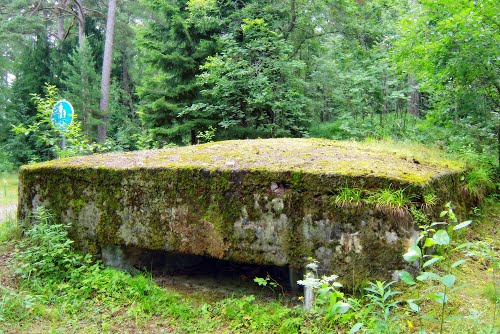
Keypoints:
pixel 81 83
pixel 174 46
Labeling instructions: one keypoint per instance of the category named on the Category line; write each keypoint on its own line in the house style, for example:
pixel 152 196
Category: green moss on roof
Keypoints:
pixel 413 164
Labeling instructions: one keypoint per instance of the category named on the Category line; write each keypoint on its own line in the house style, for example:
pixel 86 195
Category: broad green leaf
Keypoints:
pixel 439 297
pixel 341 307
pixel 413 306
pixel 448 280
pixel 356 328
pixel 428 317
pixel 429 243
pixel 443 213
pixel 413 254
pixel 406 277
pixel 432 261
pixel 464 245
pixel 458 263
pixel 462 225
pixel 441 238
pixel 426 275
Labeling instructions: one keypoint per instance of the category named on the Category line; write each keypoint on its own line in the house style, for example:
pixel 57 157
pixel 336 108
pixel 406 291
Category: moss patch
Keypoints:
pixel 414 165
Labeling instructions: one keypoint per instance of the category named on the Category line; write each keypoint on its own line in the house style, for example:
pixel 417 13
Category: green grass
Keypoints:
pixel 8 188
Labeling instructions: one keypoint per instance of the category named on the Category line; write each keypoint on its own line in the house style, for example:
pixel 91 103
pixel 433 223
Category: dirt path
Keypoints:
pixel 8 210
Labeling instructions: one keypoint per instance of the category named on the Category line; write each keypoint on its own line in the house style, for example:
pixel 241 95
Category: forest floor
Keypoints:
pixel 213 305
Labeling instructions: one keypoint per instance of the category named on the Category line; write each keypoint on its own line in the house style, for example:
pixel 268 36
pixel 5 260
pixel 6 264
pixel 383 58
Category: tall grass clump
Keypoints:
pixel 349 197
pixel 392 202
pixel 9 229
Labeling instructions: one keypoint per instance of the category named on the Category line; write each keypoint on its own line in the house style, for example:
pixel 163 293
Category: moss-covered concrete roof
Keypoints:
pixel 402 162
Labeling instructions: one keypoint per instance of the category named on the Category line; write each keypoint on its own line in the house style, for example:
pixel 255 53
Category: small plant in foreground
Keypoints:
pixel 269 282
pixel 322 295
pixel 431 238
pixel 381 306
pixel 45 251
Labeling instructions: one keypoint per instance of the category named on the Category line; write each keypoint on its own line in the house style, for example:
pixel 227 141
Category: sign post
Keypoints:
pixel 62 117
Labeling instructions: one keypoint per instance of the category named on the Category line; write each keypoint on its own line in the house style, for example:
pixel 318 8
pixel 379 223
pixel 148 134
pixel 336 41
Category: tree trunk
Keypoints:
pixel 414 98
pixel 80 10
pixel 106 72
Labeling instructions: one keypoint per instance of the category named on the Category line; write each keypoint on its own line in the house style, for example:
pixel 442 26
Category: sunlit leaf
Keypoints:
pixel 356 328
pixel 448 280
pixel 432 261
pixel 413 254
pixel 406 277
pixel 429 242
pixel 462 225
pixel 458 263
pixel 341 307
pixel 413 306
pixel 426 275
pixel 441 238
pixel 430 318
pixel 438 297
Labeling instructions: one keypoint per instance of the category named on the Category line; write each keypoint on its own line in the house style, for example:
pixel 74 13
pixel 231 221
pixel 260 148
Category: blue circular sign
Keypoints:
pixel 62 115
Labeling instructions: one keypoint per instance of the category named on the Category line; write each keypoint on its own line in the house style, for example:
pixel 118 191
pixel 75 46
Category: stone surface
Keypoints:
pixel 257 201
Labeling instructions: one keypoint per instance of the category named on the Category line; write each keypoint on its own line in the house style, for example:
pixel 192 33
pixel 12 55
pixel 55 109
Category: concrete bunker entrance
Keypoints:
pixel 201 273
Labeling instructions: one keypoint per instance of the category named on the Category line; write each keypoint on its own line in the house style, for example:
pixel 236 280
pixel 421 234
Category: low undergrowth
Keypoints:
pixel 48 287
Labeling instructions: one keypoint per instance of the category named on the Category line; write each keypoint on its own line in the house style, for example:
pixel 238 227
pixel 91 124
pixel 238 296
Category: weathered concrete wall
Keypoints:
pixel 162 200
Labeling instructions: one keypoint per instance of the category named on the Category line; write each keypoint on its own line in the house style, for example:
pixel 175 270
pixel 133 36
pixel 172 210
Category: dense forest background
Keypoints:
pixel 149 74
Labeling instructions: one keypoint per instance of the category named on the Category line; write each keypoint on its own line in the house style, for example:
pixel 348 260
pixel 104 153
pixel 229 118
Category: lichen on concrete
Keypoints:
pixel 258 201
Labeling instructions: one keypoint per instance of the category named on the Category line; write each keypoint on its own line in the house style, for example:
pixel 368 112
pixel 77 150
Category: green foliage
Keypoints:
pixel 251 83
pixel 325 299
pixel 173 46
pixel 81 83
pixel 451 46
pixel 6 163
pixel 45 252
pixel 206 136
pixel 440 239
pixel 349 197
pixel 382 306
pixel 50 136
pixel 9 229
pixel 15 306
pixel 390 198
pixel 271 283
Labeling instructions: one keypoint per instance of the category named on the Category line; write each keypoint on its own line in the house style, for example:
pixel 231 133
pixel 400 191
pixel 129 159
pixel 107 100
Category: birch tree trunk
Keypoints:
pixel 106 72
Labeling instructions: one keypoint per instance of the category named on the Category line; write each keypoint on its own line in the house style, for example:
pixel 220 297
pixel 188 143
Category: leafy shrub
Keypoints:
pixel 46 262
pixel 45 251
pixel 6 164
